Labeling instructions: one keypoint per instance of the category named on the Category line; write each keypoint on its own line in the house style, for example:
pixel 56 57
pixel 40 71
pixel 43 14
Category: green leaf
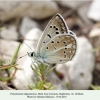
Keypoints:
pixel 5 79
pixel 51 88
pixel 36 71
pixel 95 87
pixel 30 87
pixel 47 85
pixel 40 69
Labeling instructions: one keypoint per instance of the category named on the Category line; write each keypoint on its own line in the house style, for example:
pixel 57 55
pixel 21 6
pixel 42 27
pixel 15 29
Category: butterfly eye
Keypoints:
pixel 31 54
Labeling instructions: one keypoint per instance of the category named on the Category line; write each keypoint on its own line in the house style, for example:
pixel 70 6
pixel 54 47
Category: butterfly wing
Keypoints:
pixel 55 27
pixel 58 43
pixel 59 49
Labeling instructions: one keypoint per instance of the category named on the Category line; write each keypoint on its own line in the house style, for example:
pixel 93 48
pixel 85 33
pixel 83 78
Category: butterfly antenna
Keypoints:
pixel 28 46
pixel 23 42
pixel 23 56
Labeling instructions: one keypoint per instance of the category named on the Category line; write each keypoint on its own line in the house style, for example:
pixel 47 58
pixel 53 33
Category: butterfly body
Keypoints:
pixel 36 57
pixel 57 44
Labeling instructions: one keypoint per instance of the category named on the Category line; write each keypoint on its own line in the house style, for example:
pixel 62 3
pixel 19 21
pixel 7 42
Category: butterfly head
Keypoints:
pixel 31 54
pixel 36 57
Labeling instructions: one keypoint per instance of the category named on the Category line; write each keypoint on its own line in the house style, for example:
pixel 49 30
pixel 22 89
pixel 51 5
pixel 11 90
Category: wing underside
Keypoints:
pixel 57 43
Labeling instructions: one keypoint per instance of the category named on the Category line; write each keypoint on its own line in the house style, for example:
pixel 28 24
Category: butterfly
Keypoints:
pixel 57 44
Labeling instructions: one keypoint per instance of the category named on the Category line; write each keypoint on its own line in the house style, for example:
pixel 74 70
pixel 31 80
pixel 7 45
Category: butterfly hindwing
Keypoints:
pixel 59 49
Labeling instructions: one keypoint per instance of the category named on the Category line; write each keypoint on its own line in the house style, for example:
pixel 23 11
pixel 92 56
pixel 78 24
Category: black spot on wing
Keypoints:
pixel 52 41
pixel 50 26
pixel 57 32
pixel 64 51
pixel 49 35
pixel 71 33
pixel 58 42
pixel 56 28
pixel 64 42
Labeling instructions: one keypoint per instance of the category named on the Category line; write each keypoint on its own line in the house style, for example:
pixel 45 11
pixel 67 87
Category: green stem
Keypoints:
pixel 15 55
pixel 7 67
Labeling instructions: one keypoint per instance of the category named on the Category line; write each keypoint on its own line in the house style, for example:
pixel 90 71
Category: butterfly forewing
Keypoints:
pixel 55 27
